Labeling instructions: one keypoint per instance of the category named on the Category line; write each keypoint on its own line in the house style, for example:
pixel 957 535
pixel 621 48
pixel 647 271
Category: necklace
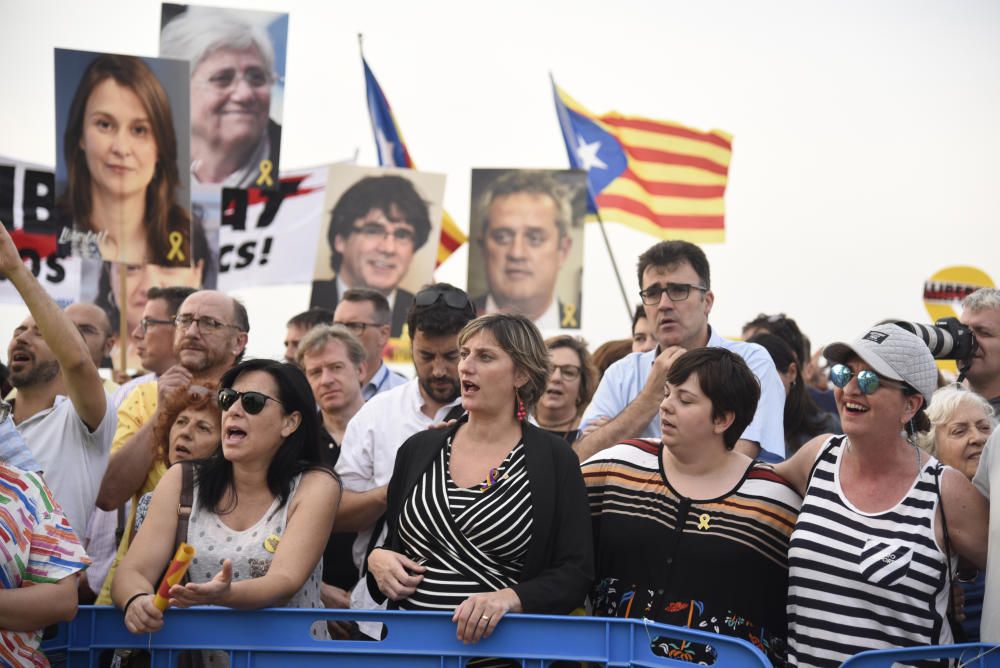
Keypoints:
pixel 553 426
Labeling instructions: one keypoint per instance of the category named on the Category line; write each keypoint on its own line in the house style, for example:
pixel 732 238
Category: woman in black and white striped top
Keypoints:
pixel 874 547
pixel 490 515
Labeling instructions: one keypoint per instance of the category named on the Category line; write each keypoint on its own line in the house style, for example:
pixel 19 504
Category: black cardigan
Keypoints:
pixel 559 565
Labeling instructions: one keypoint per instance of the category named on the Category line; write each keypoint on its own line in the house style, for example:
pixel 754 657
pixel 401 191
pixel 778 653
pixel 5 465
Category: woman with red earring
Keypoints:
pixel 488 516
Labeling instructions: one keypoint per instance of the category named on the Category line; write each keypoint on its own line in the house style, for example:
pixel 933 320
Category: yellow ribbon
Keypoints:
pixel 569 316
pixel 265 174
pixel 703 520
pixel 176 240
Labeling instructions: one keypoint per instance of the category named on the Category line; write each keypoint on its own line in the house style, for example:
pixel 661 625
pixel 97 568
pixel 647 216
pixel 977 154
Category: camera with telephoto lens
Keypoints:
pixel 947 339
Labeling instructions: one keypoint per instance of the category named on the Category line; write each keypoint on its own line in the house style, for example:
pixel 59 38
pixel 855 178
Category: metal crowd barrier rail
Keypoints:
pixel 970 655
pixel 281 637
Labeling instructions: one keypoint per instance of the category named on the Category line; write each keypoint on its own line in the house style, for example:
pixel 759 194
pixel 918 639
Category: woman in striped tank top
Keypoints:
pixel 873 551
pixel 490 515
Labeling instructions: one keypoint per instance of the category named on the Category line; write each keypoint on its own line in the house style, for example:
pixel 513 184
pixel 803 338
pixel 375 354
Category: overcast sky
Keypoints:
pixel 865 137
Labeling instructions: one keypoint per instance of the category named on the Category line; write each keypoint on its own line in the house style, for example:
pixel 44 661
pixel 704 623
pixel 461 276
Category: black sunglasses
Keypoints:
pixel 253 402
pixel 453 298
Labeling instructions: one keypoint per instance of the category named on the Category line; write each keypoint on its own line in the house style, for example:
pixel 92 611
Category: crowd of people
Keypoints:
pixel 734 487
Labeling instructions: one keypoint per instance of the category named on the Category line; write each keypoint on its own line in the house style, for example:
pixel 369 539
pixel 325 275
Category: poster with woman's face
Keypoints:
pixel 237 90
pixel 526 228
pixel 381 232
pixel 122 185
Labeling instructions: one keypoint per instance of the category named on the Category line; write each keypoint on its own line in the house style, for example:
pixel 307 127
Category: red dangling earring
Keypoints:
pixel 519 411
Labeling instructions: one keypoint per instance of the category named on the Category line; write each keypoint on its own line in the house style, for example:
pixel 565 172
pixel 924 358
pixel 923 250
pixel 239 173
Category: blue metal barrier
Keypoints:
pixel 971 655
pixel 279 638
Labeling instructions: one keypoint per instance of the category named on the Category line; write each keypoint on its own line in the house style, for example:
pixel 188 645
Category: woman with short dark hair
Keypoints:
pixel 689 531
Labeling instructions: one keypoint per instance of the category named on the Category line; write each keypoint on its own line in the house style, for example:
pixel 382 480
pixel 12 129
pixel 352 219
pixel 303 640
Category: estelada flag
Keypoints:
pixel 392 152
pixel 659 177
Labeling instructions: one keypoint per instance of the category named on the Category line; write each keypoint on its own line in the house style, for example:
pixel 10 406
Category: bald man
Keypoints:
pixel 95 328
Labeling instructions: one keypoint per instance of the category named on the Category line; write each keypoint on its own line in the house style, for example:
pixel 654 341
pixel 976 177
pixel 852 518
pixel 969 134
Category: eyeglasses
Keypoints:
pixel 374 231
pixel 357 327
pixel 205 323
pixel 568 371
pixel 868 381
pixel 453 298
pixel 146 323
pixel 676 292
pixel 253 402
pixel 224 80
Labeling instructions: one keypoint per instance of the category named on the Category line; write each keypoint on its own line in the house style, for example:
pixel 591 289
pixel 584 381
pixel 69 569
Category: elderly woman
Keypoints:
pixel 689 531
pixel 263 507
pixel 570 387
pixel 874 547
pixel 961 423
pixel 120 152
pixel 488 516
pixel 234 142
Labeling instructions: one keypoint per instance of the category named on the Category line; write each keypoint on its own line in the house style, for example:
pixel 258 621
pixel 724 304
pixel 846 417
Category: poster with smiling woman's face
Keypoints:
pixel 237 90
pixel 122 129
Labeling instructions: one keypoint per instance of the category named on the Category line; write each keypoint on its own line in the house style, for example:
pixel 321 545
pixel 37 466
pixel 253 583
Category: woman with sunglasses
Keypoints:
pixel 488 516
pixel 874 548
pixel 569 389
pixel 263 507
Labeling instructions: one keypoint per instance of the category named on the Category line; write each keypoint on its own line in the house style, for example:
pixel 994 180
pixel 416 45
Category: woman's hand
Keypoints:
pixel 397 576
pixel 213 592
pixel 142 616
pixel 479 614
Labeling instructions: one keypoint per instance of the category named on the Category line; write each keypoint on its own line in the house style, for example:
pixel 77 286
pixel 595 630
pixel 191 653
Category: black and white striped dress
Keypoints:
pixel 861 580
pixel 471 540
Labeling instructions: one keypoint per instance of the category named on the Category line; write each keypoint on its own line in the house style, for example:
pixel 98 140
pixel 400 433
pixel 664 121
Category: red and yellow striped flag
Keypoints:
pixel 660 177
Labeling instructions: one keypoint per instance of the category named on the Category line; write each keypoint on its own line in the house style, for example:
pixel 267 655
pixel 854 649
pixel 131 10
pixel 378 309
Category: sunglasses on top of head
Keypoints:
pixel 253 402
pixel 868 381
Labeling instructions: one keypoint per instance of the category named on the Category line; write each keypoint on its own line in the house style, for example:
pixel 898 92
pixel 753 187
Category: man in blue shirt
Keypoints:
pixel 677 296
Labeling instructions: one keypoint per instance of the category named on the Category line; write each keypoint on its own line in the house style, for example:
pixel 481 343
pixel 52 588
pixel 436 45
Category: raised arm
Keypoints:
pixel 134 449
pixel 83 383
pixel 627 421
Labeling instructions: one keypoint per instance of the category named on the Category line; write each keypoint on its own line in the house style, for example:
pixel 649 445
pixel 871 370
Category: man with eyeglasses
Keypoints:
pixel 61 409
pixel 525 243
pixel 375 433
pixel 210 335
pixel 376 227
pixel 677 296
pixel 366 313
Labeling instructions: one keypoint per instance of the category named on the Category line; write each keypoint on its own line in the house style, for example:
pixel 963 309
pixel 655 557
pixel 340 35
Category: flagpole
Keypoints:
pixel 614 265
pixel 565 125
pixel 371 118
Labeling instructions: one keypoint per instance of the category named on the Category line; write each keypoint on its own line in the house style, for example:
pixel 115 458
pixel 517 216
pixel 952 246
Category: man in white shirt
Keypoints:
pixel 677 295
pixel 61 409
pixel 376 432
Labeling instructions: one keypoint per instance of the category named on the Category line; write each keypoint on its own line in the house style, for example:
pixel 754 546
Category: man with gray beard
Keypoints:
pixel 210 336
pixel 61 410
